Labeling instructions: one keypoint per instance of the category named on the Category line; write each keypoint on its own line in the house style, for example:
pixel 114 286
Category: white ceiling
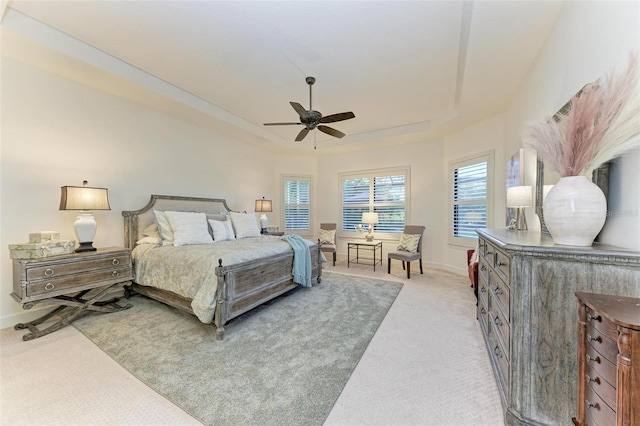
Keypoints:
pixel 409 70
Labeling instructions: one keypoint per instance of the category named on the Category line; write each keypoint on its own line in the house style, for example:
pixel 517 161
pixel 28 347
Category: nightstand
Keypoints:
pixel 75 281
pixel 274 233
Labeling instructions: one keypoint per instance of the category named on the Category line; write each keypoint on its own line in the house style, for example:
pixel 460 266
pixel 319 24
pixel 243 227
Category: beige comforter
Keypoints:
pixel 190 270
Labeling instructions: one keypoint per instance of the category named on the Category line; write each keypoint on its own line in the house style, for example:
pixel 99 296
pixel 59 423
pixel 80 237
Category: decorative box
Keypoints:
pixel 39 250
pixel 44 236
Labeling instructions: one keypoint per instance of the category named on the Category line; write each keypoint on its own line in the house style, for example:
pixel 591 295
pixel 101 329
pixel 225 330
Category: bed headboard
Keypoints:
pixel 136 221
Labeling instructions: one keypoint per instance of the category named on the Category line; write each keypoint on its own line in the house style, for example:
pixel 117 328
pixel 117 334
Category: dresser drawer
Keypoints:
pixel 483 287
pixel 604 345
pixel 603 388
pixel 64 284
pixel 604 368
pixel 499 291
pixel 490 255
pixel 596 408
pixel 53 270
pixel 501 360
pixel 483 314
pixel 502 264
pixel 602 324
pixel 483 268
pixel 501 325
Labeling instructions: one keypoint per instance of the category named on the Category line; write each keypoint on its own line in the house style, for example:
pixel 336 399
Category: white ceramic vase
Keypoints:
pixel 575 211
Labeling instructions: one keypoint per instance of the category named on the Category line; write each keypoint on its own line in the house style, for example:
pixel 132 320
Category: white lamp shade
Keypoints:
pixel 369 217
pixel 263 206
pixel 84 198
pixel 519 196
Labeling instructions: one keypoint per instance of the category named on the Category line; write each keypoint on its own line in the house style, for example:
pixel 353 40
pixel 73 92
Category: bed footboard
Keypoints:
pixel 244 286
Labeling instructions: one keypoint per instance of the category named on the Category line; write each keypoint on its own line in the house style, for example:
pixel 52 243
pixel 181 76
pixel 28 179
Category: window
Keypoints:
pixel 297 204
pixel 380 191
pixel 470 188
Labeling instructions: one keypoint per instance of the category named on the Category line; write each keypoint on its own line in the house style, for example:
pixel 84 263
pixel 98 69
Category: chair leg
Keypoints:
pixel 403 268
pixel 408 270
pixel 420 265
pixel 388 265
pixel 334 258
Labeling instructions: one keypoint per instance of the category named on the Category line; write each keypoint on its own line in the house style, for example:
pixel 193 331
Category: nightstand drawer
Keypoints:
pixel 604 345
pixel 47 272
pixel 599 411
pixel 63 285
pixel 606 369
pixel 500 292
pixel 603 388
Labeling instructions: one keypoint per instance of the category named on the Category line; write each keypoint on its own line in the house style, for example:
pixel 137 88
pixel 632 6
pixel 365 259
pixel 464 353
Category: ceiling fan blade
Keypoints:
pixel 337 117
pixel 302 134
pixel 330 131
pixel 279 124
pixel 299 109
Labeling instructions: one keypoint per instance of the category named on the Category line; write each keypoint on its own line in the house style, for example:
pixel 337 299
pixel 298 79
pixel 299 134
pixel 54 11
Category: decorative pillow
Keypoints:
pixel 409 242
pixel 222 230
pixel 164 227
pixel 327 236
pixel 151 231
pixel 189 228
pixel 245 225
pixel 150 240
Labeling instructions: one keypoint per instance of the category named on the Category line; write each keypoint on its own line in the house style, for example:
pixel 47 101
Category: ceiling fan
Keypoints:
pixel 313 119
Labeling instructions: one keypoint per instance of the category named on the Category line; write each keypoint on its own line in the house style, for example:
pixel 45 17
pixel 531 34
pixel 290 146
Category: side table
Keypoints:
pixel 75 281
pixel 370 246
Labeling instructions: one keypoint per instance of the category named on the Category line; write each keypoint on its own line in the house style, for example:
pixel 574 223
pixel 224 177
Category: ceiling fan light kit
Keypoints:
pixel 312 119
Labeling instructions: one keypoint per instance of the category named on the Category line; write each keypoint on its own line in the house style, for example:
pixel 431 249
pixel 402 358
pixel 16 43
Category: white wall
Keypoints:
pixel 427 187
pixel 57 132
pixel 588 41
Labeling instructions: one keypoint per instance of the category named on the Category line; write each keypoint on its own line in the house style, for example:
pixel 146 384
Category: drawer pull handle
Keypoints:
pixel 498 291
pixel 497 352
pixel 489 252
pixel 497 321
pixel 482 311
pixel 115 273
pixel 590 404
pixel 483 268
pixel 594 318
pixel 500 264
pixel 483 289
pixel 593 379
pixel 590 338
pixel 116 262
pixel 48 272
pixel 49 286
pixel 593 358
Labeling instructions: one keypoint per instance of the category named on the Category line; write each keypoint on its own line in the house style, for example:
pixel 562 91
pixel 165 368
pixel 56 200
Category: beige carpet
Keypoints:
pixel 414 372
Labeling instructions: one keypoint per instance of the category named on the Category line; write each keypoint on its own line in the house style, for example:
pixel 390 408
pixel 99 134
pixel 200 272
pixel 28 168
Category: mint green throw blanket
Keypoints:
pixel 301 259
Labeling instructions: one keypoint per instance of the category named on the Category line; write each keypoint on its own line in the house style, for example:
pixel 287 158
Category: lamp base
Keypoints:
pixel 521 220
pixel 368 237
pixel 85 247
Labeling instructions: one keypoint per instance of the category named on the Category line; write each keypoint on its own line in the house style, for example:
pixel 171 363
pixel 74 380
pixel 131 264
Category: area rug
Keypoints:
pixel 283 363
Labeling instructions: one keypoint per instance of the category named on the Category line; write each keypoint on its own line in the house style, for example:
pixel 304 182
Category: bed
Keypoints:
pixel 240 275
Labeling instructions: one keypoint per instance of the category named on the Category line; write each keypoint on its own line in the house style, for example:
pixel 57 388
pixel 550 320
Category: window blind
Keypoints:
pixel 469 199
pixel 297 207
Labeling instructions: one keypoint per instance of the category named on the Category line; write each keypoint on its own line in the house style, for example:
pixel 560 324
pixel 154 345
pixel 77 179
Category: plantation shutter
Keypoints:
pixel 297 205
pixel 388 202
pixel 355 201
pixel 469 199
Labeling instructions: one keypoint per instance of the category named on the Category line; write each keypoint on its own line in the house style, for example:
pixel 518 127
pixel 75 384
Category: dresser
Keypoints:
pixel 74 282
pixel 608 360
pixel 527 314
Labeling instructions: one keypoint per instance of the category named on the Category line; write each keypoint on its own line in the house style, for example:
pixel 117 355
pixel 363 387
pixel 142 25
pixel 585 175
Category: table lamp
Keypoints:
pixel 371 219
pixel 85 199
pixel 520 197
pixel 263 206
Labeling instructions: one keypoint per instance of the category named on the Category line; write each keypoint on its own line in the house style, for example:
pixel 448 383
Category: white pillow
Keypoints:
pixel 151 231
pixel 164 227
pixel 409 242
pixel 327 236
pixel 222 230
pixel 245 225
pixel 189 228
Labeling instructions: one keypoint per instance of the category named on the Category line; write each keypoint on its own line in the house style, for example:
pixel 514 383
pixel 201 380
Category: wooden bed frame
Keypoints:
pixel 241 287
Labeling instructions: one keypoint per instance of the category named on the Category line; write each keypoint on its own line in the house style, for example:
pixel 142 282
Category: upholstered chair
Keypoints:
pixel 408 256
pixel 328 246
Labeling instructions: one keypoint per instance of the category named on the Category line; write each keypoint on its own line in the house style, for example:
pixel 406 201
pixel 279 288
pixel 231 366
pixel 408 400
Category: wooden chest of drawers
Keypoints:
pixel 75 282
pixel 37 279
pixel 608 360
pixel 527 314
